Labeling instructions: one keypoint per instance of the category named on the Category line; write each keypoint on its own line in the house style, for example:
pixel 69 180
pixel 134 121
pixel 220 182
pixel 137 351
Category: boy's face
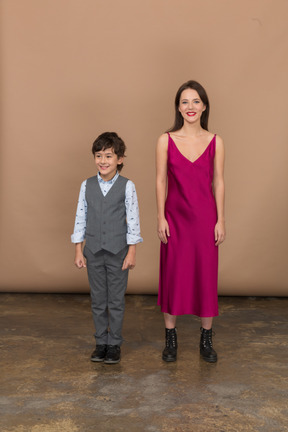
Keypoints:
pixel 106 162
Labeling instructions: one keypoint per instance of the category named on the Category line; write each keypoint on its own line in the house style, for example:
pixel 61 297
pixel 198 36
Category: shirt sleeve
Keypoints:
pixel 78 235
pixel 132 213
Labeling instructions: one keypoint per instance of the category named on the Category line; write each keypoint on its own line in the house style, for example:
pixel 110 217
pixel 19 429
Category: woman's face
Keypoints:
pixel 191 106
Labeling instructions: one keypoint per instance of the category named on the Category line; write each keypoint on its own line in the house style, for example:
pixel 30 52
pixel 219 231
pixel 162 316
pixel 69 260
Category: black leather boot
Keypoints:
pixel 206 348
pixel 169 353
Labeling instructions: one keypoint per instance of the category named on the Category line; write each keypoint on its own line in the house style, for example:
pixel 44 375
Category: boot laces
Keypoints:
pixel 171 339
pixel 207 338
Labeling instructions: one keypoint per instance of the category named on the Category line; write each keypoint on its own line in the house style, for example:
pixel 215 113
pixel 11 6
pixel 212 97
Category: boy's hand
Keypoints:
pixel 79 260
pixel 130 259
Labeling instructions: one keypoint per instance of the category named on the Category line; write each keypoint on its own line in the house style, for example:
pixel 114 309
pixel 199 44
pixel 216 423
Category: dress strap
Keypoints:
pixel 213 145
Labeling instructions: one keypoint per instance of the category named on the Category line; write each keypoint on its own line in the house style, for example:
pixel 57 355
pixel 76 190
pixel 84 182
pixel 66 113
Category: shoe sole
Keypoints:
pixel 111 361
pixel 209 360
pixel 168 360
pixel 97 360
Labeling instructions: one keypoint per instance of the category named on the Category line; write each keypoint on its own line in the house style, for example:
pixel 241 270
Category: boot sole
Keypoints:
pixel 209 360
pixel 168 360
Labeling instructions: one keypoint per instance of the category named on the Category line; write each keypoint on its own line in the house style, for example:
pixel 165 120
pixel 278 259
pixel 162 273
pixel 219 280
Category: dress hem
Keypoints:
pixel 200 315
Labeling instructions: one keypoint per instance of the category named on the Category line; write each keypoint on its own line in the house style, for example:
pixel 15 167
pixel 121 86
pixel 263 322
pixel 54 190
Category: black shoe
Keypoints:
pixel 99 353
pixel 113 354
pixel 206 348
pixel 169 353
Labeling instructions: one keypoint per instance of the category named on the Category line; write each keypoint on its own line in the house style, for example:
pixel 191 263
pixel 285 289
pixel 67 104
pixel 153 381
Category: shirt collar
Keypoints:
pixel 110 182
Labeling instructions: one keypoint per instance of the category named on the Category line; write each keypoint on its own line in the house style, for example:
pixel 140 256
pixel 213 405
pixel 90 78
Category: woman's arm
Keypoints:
pixel 161 186
pixel 219 190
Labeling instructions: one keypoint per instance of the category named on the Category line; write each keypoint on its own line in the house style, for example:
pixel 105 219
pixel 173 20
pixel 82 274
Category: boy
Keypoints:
pixel 108 218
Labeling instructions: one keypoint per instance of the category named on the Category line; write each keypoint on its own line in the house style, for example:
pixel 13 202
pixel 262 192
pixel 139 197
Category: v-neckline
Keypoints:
pixel 104 196
pixel 192 162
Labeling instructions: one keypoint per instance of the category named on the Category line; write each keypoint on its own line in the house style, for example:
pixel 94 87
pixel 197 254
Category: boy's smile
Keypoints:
pixel 107 161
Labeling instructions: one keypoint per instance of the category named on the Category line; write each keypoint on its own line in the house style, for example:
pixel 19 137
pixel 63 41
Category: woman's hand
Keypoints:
pixel 220 233
pixel 163 230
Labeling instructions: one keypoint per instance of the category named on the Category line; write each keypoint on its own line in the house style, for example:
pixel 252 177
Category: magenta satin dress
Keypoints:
pixel 189 261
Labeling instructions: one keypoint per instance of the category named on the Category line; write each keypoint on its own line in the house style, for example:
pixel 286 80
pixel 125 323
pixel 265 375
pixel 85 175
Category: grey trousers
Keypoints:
pixel 108 284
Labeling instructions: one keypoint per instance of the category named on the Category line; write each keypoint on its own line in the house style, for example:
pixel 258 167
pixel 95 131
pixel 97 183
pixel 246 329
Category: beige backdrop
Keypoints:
pixel 72 69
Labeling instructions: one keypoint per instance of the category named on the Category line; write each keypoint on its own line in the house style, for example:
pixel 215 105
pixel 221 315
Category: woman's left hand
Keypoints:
pixel 219 232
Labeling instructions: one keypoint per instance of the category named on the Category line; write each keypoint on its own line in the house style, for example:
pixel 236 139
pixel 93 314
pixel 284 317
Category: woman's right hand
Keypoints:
pixel 163 230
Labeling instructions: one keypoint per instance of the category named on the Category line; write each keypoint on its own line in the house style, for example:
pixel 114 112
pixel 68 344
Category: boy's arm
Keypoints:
pixel 79 232
pixel 133 225
pixel 78 235
pixel 132 215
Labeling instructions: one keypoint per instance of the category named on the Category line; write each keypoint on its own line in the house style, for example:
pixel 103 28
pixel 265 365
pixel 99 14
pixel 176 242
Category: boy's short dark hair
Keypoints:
pixel 109 140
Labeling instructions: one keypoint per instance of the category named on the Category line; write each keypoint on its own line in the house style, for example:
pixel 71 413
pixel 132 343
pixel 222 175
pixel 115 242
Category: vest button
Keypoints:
pixel 104 232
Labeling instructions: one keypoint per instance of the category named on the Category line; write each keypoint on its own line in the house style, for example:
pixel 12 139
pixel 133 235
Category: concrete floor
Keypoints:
pixel 49 384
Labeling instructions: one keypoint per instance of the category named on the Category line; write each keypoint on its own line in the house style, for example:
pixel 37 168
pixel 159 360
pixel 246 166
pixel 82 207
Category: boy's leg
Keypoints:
pixel 117 285
pixel 99 296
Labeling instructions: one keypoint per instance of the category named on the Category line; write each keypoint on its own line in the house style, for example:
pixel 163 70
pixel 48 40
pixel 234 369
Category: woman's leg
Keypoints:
pixel 170 320
pixel 206 322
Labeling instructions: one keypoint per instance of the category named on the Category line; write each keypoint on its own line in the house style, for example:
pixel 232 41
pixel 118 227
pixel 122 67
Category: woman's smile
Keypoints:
pixel 191 105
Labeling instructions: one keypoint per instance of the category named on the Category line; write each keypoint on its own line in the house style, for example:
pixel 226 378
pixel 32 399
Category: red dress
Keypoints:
pixel 189 261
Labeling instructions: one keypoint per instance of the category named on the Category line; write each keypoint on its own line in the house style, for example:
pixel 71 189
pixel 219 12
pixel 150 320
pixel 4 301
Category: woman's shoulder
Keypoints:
pixel 163 141
pixel 219 145
pixel 163 137
pixel 219 140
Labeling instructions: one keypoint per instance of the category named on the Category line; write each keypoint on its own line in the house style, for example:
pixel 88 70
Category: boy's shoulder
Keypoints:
pixel 125 183
pixel 93 178
pixel 130 185
pixel 123 179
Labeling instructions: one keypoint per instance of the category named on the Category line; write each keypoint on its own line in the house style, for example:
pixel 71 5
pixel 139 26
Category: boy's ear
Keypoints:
pixel 120 160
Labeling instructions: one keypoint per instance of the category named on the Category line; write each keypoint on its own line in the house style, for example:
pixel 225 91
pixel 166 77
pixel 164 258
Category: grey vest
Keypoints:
pixel 106 226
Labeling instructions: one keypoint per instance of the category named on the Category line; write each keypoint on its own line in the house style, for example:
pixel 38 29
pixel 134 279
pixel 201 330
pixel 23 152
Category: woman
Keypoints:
pixel 191 225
